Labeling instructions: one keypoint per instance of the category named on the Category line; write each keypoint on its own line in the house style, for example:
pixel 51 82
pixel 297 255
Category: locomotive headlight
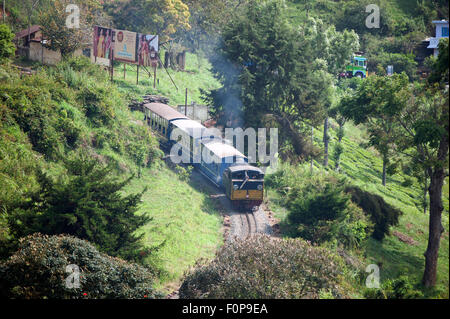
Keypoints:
pixel 260 187
pixel 235 186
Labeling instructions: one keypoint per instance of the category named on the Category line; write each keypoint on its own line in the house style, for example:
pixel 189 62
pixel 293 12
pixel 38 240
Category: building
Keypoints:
pixel 441 32
pixel 34 48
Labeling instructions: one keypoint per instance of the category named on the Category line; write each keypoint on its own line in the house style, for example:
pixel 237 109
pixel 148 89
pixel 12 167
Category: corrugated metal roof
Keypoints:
pixel 165 111
pixel 236 168
pixel 222 150
pixel 189 126
pixel 23 33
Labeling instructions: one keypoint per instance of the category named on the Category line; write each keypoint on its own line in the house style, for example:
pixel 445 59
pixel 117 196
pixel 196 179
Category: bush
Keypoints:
pixel 261 267
pixel 38 270
pixel 381 213
pixel 85 202
pixel 7 47
pixel 320 210
pixel 400 288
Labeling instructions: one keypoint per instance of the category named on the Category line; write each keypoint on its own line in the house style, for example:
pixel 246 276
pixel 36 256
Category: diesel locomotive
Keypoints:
pixel 224 165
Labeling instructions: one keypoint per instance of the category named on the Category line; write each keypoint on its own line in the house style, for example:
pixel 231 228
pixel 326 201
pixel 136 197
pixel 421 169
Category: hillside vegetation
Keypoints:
pixel 73 108
pixel 83 179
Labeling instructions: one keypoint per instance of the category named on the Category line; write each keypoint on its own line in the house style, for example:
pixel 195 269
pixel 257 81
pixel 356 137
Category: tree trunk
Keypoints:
pixel 383 179
pixel 312 143
pixel 325 142
pixel 437 177
pixel 425 189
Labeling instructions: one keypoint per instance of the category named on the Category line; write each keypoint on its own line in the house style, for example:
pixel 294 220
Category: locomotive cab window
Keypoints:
pixel 254 175
pixel 239 175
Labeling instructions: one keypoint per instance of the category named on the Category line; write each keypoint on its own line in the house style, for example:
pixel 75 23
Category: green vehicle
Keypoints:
pixel 356 68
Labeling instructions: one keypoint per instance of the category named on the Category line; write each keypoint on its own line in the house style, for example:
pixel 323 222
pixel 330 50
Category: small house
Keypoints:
pixel 30 43
pixel 441 32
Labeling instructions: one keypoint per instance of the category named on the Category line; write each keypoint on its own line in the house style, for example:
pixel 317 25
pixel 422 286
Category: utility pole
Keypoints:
pixel 4 11
pixel 185 104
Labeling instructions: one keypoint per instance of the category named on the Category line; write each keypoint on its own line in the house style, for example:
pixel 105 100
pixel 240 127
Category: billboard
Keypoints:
pixel 102 42
pixel 148 50
pixel 125 46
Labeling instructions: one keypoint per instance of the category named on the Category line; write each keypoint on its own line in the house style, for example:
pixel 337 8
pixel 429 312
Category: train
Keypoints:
pixel 224 165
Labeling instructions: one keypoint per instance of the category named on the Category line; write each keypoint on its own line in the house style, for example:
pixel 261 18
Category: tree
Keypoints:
pixel 7 48
pixel 336 113
pixel 425 126
pixel 30 6
pixel 163 18
pixel 61 38
pixel 377 102
pixel 87 203
pixel 270 75
pixel 334 49
pixel 207 19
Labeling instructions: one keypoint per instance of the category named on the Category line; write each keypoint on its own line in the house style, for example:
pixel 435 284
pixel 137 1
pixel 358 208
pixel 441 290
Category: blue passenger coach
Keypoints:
pixel 213 157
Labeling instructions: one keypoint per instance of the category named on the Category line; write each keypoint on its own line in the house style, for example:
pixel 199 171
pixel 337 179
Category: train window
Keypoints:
pixel 164 131
pixel 239 175
pixel 253 175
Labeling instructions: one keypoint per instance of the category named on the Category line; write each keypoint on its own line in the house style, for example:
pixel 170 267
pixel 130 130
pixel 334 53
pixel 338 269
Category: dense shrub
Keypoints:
pixel 400 288
pixel 7 47
pixel 325 208
pixel 321 212
pixel 319 209
pixel 263 267
pixel 401 62
pixel 38 270
pixel 33 104
pixel 85 202
pixel 381 213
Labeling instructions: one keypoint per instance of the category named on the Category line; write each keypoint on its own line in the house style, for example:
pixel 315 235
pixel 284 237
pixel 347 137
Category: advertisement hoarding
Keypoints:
pixel 148 50
pixel 125 46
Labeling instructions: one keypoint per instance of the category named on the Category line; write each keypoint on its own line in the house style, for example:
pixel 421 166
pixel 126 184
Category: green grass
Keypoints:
pixel 184 218
pixel 195 76
pixel 363 167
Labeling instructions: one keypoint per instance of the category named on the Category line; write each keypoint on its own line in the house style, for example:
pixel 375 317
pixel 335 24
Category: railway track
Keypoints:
pixel 249 225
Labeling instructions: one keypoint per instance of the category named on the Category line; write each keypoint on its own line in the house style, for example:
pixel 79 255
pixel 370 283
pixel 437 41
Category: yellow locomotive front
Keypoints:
pixel 244 186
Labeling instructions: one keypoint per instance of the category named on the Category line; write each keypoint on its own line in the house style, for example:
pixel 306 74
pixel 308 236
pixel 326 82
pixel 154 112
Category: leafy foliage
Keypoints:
pixel 88 205
pixel 381 213
pixel 274 74
pixel 7 48
pixel 400 288
pixel 260 267
pixel 320 211
pixel 319 208
pixel 150 16
pixel 376 102
pixel 38 270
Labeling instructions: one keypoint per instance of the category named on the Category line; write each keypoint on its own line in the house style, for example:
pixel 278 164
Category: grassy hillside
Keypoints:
pixel 363 166
pixel 73 107
pixel 396 257
pixel 185 221
pixel 195 77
